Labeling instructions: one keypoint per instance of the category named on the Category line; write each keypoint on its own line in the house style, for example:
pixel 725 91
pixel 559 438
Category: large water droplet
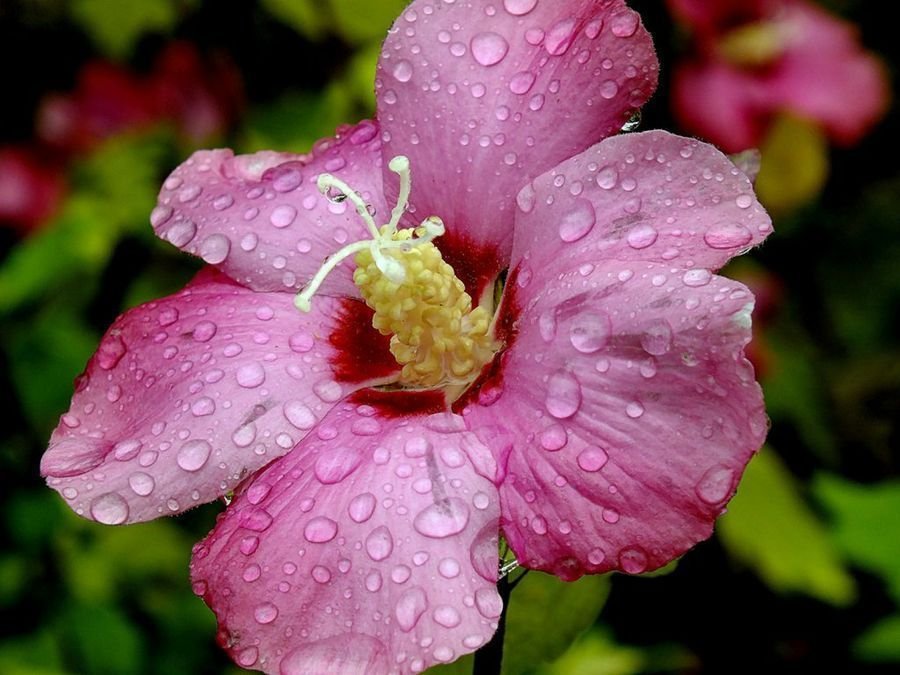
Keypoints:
pixel 109 509
pixel 411 605
pixel 110 351
pixel 589 332
pixel 334 465
pixel 320 529
pixel 519 7
pixel 592 459
pixel 489 48
pixel 578 221
pixel 727 235
pixel 559 37
pixel 283 215
pixel 443 518
pixel 446 616
pixel 215 248
pixel 489 603
pixel 624 24
pixel 563 395
pixel 265 613
pixel 642 236
pixel 633 560
pixel 193 455
pixel 141 484
pixel 657 337
pixel 716 484
pixel 250 375
pixel 379 543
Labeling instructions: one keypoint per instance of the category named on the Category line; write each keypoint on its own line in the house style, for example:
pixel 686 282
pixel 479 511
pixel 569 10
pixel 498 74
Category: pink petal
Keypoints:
pixel 711 16
pixel 631 413
pixel 188 395
pixel 825 75
pixel 723 104
pixel 650 196
pixel 372 548
pixel 482 96
pixel 260 218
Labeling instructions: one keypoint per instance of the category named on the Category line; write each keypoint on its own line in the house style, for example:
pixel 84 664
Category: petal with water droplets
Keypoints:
pixel 482 97
pixel 342 581
pixel 624 453
pixel 261 219
pixel 186 396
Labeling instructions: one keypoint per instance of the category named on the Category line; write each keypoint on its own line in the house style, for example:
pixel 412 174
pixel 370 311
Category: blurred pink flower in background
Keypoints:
pixel 200 96
pixel 755 59
pixel 32 185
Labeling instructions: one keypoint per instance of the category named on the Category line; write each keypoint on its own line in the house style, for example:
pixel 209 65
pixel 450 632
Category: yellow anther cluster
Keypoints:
pixel 436 335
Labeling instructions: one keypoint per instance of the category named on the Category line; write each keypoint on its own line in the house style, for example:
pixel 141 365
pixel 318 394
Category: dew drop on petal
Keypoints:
pixel 727 235
pixel 283 215
pixel 592 459
pixel 265 613
pixel 519 7
pixel 410 606
pixel 624 24
pixel 141 484
pixel 716 484
pixel 193 455
pixel 489 48
pixel 642 236
pixel 402 71
pixel 633 560
pixel 443 518
pixel 109 509
pixel 590 331
pixel 320 530
pixel 657 337
pixel 215 248
pixel 379 543
pixel 578 221
pixel 250 375
pixel 697 277
pixel 563 395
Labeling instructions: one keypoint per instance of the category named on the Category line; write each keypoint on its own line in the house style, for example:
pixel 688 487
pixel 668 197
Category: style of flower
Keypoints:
pixel 755 59
pixel 532 342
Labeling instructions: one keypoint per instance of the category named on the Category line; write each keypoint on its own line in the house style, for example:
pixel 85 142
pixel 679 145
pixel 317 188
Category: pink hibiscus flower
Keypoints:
pixel 554 358
pixel 755 59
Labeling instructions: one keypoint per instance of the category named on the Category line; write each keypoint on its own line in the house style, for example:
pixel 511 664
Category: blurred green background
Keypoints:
pixel 803 574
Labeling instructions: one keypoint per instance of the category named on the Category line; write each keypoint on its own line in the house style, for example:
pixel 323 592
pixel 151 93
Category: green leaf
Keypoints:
pixel 35 654
pixel 116 25
pixel 545 616
pixel 595 653
pixel 866 526
pixel 881 642
pixel 770 528
pixel 101 640
pixel 361 22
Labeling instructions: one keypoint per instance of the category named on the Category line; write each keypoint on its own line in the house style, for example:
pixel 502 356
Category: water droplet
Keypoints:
pixel 489 603
pixel 519 7
pixel 285 178
pixel 142 484
pixel 633 560
pixel 526 198
pixel 109 509
pixel 283 215
pixel 727 235
pixel 128 449
pixel 203 406
pixel 589 332
pixel 563 395
pixel 248 545
pixel 160 215
pixel 247 657
pixel 110 351
pixel 553 438
pixel 403 71
pixel 559 37
pixel 592 459
pixel 204 331
pixel 489 48
pixel 578 221
pixel 336 464
pixel 446 616
pixel 193 455
pixel 443 518
pixel 181 233
pixel 410 606
pixel 607 177
pixel 624 24
pixel 257 492
pixel 547 325
pixel 299 415
pixel 250 375
pixel 634 409
pixel 449 568
pixel 609 89
pixel 696 278
pixel 215 248
pixel 521 83
pixel 744 201
pixel 320 529
pixel 265 613
pixel 657 337
pixel 642 236
pixel 379 543
pixel 716 484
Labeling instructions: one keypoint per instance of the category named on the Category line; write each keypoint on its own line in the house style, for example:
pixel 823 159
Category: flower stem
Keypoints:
pixel 489 658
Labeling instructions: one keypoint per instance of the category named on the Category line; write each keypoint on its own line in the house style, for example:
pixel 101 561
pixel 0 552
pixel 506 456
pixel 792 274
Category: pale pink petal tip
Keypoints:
pixel 370 549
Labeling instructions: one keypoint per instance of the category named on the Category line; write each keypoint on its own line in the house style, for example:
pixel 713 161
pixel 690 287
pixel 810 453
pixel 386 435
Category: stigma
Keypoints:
pixel 437 337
